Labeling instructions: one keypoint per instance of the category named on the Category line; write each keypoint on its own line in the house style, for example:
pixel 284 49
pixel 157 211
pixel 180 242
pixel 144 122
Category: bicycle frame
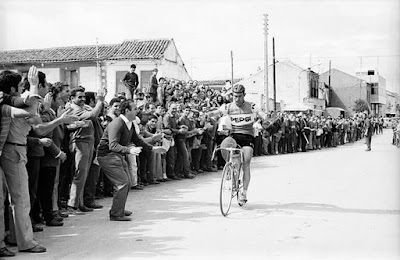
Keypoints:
pixel 231 151
pixel 237 183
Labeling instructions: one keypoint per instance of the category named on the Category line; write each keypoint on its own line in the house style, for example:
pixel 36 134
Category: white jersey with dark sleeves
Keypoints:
pixel 242 118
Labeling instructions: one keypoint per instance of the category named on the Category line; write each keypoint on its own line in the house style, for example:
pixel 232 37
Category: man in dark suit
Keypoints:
pixel 153 85
pixel 131 80
pixel 369 129
pixel 116 142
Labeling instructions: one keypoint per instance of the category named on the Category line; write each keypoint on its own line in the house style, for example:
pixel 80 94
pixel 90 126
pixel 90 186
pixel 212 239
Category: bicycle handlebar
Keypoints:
pixel 230 149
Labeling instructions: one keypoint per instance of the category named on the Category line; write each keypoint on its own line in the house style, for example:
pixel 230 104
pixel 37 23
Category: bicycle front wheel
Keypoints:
pixel 226 192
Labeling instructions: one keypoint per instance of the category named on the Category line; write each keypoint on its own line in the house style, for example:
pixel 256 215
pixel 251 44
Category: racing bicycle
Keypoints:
pixel 232 178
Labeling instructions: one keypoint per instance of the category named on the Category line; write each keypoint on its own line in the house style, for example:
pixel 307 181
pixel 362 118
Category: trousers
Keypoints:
pixel 116 169
pixel 13 161
pixel 83 153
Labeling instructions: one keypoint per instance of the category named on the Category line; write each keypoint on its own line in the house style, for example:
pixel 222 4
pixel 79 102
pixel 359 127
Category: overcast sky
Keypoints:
pixel 350 33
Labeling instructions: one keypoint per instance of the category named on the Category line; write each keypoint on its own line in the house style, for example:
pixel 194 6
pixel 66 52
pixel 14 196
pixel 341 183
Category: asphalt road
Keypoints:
pixel 336 203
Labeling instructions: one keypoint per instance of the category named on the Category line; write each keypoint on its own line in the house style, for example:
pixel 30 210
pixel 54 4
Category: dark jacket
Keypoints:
pixel 153 84
pixel 131 80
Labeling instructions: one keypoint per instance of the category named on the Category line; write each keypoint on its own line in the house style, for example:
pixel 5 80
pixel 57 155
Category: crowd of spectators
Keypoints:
pixel 64 176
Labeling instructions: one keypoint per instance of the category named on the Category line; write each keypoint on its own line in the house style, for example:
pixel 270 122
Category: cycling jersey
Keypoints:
pixel 242 118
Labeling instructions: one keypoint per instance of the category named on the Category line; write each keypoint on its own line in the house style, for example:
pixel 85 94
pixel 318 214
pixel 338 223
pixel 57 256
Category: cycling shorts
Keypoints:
pixel 244 140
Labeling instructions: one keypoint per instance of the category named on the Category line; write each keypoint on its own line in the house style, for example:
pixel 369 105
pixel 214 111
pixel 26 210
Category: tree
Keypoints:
pixel 360 105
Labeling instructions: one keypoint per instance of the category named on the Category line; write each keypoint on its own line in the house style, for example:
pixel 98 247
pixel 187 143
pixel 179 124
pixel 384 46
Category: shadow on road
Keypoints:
pixel 317 207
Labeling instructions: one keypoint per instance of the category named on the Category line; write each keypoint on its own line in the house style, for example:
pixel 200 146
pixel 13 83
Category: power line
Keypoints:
pixel 304 57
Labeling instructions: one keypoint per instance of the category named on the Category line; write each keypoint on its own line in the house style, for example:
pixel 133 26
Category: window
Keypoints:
pixel 71 78
pixel 371 72
pixel 374 89
pixel 314 88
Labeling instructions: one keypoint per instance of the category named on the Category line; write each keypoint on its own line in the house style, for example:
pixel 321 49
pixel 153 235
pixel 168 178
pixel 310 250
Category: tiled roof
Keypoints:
pixel 130 49
pixel 217 82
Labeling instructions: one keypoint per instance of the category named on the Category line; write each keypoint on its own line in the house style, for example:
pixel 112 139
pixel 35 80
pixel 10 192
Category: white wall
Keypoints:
pixel 287 84
pixel 173 70
pixel 52 74
pixel 87 78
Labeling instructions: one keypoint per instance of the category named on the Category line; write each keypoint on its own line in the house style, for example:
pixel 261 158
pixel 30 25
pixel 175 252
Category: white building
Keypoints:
pixel 378 90
pixel 297 89
pixel 103 65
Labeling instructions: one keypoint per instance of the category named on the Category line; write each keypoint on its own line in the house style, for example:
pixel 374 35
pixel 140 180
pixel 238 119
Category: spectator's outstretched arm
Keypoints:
pixel 41 128
pixel 84 115
pixel 14 112
pixel 140 142
pixel 12 101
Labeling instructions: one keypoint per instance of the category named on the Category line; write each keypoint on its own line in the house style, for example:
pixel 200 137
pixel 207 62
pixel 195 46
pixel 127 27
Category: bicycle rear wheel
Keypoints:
pixel 226 191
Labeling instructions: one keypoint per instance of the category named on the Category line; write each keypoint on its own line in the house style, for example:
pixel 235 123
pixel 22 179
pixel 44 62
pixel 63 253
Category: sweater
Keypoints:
pixel 117 137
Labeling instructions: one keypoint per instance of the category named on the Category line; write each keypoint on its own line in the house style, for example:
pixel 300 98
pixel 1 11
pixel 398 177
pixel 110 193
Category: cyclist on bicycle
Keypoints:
pixel 242 115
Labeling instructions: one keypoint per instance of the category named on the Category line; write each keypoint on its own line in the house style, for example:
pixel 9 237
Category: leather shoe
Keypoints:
pixel 176 178
pixel 4 252
pixel 60 214
pixel 124 218
pixel 153 182
pixel 54 223
pixel 58 218
pixel 37 228
pixel 167 179
pixel 137 187
pixel 74 211
pixel 128 212
pixel 189 176
pixel 93 205
pixel 36 249
pixel 161 180
pixel 85 209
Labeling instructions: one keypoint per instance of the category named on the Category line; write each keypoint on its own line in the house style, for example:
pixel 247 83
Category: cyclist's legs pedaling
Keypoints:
pixel 244 140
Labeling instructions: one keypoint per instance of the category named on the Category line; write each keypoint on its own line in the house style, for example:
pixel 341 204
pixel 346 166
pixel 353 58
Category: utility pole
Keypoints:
pixel 266 63
pixel 274 75
pixel 232 68
pixel 329 80
pixel 329 77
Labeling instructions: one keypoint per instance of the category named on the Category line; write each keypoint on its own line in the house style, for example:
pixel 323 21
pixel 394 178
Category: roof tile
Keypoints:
pixel 130 49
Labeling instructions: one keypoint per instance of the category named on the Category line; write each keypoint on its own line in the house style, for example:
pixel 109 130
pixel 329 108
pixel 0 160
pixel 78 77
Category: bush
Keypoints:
pixel 360 105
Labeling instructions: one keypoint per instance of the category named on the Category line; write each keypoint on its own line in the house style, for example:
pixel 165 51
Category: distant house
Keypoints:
pixel 378 90
pixel 346 89
pixel 392 107
pixel 297 89
pixel 92 66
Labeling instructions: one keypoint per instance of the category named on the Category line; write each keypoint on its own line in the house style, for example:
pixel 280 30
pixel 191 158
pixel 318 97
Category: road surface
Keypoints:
pixel 336 203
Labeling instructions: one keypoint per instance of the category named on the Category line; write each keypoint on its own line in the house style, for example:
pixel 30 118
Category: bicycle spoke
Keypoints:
pixel 226 189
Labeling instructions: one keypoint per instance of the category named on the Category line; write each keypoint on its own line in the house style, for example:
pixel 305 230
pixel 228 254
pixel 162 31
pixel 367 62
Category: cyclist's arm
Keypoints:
pixel 215 113
pixel 259 113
